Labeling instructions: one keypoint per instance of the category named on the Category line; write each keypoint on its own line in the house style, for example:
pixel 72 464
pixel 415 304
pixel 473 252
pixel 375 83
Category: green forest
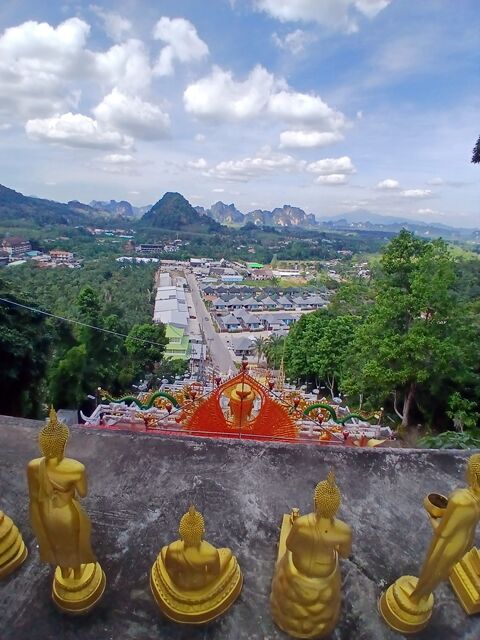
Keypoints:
pixel 405 341
pixel 47 360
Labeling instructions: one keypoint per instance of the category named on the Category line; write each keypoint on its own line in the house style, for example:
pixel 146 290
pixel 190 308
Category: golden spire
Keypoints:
pixel 53 437
pixel 327 497
pixel 192 527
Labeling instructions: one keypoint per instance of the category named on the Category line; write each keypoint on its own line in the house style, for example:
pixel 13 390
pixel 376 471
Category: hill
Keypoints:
pixel 120 208
pixel 14 207
pixel 174 212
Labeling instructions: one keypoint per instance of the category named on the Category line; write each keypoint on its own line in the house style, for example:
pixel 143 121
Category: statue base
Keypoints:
pixel 196 606
pixel 78 596
pixel 400 611
pixel 465 581
pixel 13 551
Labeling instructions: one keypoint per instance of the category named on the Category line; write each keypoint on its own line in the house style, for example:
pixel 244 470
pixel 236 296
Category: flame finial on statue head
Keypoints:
pixel 53 437
pixel 327 497
pixel 192 527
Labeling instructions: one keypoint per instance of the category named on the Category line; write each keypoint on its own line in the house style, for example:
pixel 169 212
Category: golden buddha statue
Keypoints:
pixel 192 581
pixel 13 551
pixel 306 588
pixel 407 604
pixel 61 526
pixel 240 404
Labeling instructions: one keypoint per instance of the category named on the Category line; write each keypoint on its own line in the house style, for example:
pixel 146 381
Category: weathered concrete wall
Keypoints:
pixel 140 485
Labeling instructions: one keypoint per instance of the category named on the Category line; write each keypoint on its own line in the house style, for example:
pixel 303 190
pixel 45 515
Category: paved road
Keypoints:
pixel 222 360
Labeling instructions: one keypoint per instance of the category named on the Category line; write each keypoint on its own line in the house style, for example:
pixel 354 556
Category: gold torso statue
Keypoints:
pixel 13 551
pixel 407 604
pixel 192 581
pixel 306 587
pixel 240 404
pixel 61 526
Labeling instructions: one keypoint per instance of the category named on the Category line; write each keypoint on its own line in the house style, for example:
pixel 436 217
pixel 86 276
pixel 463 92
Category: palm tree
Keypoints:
pixel 260 344
pixel 274 350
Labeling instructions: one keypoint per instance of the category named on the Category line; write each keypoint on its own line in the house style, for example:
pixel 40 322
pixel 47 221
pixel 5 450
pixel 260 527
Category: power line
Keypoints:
pixel 83 324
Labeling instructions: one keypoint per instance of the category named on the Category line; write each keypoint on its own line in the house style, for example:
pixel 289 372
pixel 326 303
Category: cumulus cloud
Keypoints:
pixel 294 42
pixel 308 139
pixel 36 60
pixel 182 43
pixel 115 25
pixel 388 185
pixel 132 115
pixel 417 193
pixel 334 179
pixel 334 14
pixel 264 163
pixel 126 66
pixel 220 98
pixel 329 166
pixel 76 130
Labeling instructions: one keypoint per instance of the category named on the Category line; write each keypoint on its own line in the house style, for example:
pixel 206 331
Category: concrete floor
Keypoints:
pixel 140 485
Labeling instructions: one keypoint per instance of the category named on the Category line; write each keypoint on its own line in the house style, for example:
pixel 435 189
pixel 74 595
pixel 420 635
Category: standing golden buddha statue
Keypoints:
pixel 61 526
pixel 13 551
pixel 306 587
pixel 407 604
pixel 192 581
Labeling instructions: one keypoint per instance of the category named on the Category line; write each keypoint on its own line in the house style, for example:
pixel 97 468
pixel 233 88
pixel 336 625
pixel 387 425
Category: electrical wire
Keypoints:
pixel 83 324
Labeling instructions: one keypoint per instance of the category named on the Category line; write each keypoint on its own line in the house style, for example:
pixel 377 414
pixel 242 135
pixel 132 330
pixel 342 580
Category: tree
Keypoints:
pixel 259 345
pixel 274 349
pixel 145 345
pixel 476 152
pixel 411 344
pixel 25 343
pixel 68 383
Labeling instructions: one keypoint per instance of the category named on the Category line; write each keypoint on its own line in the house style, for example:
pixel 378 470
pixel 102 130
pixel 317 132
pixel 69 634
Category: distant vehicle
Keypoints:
pixel 193 317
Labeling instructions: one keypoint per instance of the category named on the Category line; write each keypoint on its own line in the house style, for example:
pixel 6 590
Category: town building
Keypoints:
pixel 16 246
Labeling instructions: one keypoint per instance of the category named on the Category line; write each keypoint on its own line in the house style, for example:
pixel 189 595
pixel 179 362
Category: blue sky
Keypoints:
pixel 330 105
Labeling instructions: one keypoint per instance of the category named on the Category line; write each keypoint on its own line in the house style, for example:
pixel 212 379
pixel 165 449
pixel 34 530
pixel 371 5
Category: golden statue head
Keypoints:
pixel 192 527
pixel 327 497
pixel 473 471
pixel 53 437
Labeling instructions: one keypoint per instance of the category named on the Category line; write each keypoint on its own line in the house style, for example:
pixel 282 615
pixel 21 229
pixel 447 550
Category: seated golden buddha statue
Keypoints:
pixel 240 404
pixel 306 588
pixel 61 526
pixel 192 581
pixel 407 604
pixel 12 548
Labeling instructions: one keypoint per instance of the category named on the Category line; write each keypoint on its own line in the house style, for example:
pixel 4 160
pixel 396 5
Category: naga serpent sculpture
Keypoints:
pixel 333 415
pixel 140 405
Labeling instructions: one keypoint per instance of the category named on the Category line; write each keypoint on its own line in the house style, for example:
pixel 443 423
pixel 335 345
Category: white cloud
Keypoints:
pixel 36 61
pixel 183 44
pixel 5 126
pixel 426 212
pixel 115 25
pixel 331 166
pixel 220 98
pixel 132 115
pixel 417 193
pixel 388 185
pixel 218 190
pixel 305 109
pixel 294 42
pixel 200 137
pixel 334 14
pixel 122 163
pixel 125 66
pixel 264 163
pixel 76 130
pixel 200 163
pixel 308 139
pixel 334 179
pixel 436 181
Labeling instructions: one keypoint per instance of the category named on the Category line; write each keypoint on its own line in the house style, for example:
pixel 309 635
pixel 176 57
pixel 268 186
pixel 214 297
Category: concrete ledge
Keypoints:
pixel 140 486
